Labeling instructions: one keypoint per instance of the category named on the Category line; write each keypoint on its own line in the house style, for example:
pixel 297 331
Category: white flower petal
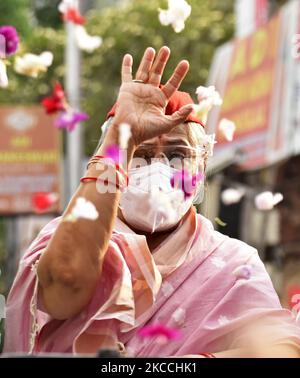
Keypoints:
pixel 267 200
pixel 230 196
pixel 3 75
pixel 84 209
pixel 176 14
pixel 179 316
pixel 124 135
pixel 85 41
pixel 64 5
pixel 218 262
pixel 31 64
pixel 46 58
pixel 227 129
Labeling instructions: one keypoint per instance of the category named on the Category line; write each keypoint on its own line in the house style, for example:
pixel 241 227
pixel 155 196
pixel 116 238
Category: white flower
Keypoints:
pixel 179 315
pixel 218 262
pixel 267 200
pixel 124 135
pixel 64 5
pixel 207 98
pixel 175 15
pixel 230 196
pixel 85 41
pixel 32 65
pixel 83 209
pixel 3 75
pixel 223 320
pixel 227 129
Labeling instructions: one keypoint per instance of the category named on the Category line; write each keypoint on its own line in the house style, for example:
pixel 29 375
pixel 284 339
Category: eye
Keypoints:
pixel 176 155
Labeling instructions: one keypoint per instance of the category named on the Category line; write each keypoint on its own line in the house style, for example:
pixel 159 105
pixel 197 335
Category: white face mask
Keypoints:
pixel 150 203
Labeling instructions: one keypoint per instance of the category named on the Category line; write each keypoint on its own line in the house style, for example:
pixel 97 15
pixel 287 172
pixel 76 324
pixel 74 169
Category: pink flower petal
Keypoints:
pixel 159 330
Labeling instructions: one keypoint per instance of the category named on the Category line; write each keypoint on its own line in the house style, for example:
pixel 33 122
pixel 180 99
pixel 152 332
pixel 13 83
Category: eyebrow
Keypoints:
pixel 170 142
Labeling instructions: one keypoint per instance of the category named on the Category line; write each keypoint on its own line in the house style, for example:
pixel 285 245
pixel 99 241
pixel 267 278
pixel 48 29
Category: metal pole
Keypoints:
pixel 72 86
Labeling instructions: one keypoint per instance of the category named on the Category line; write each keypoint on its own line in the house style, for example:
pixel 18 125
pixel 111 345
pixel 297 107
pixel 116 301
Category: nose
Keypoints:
pixel 160 156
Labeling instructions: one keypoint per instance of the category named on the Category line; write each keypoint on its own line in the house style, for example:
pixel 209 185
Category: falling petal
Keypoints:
pixel 10 36
pixel 43 201
pixel 72 14
pixel 85 41
pixel 3 75
pixel 159 330
pixel 227 129
pixel 83 209
pixel 267 200
pixel 56 101
pixel 231 196
pixel 218 262
pixel 32 65
pixel 186 182
pixel 124 135
pixel 220 222
pixel 207 98
pixel 179 316
pixel 114 152
pixel 176 14
pixel 243 271
pixel 64 5
pixel 69 119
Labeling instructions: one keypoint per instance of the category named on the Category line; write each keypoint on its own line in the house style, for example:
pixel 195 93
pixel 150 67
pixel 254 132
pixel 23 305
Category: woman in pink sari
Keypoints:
pixel 142 256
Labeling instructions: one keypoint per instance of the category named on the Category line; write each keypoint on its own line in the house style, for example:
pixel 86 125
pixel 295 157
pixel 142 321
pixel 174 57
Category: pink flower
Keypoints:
pixel 186 182
pixel 11 40
pixel 161 331
pixel 69 119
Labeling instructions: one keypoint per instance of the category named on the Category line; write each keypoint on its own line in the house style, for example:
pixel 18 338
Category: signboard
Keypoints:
pixel 256 84
pixel 29 158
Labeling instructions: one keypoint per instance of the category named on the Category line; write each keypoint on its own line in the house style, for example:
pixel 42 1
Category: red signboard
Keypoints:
pixel 29 158
pixel 258 78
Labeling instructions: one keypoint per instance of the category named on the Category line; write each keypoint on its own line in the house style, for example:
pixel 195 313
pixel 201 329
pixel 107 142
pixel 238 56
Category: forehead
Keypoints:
pixel 179 135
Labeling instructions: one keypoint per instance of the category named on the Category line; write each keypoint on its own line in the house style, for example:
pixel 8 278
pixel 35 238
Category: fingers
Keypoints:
pixel 145 65
pixel 158 66
pixel 180 116
pixel 175 80
pixel 126 71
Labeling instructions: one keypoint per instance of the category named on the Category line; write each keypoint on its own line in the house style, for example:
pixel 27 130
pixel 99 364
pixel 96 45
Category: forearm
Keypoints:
pixel 71 265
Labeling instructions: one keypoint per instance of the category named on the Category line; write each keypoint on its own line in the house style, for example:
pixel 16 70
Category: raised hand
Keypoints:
pixel 141 103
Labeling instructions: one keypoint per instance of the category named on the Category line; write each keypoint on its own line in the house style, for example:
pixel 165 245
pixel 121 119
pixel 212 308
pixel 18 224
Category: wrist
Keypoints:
pixel 112 138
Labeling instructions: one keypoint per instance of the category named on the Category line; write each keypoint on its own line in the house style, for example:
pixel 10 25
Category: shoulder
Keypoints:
pixel 225 247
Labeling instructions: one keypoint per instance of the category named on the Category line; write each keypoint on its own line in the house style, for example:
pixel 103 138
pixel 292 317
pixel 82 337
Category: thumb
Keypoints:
pixel 181 115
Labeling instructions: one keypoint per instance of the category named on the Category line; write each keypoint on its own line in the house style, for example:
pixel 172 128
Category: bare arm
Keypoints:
pixel 70 267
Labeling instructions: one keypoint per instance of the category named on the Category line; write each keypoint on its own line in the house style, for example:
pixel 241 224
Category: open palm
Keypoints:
pixel 142 104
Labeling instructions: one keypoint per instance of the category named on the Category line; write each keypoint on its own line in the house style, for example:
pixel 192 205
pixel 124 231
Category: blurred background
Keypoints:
pixel 248 49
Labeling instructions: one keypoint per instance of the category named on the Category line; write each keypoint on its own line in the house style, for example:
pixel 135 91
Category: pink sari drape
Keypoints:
pixel 187 282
